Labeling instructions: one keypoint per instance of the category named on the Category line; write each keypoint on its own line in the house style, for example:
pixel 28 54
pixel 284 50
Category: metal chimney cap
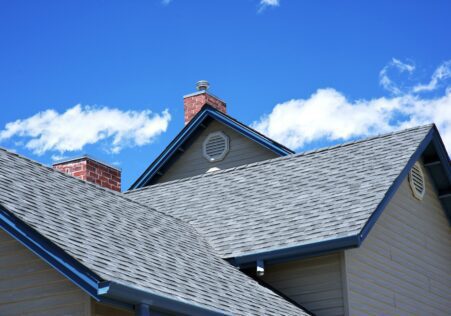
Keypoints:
pixel 202 85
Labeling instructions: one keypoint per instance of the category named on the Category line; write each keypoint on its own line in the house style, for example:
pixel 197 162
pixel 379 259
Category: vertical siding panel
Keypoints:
pixel 315 283
pixel 29 286
pixel 192 162
pixel 404 265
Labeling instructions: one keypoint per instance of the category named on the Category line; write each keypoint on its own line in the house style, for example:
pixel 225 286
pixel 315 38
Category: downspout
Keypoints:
pixel 142 310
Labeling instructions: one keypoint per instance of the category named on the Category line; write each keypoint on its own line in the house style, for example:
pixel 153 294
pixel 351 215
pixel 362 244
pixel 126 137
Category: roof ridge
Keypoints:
pixel 292 156
pixel 93 185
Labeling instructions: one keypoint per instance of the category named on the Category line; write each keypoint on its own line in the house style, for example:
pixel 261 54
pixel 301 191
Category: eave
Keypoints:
pixel 106 291
pixel 433 152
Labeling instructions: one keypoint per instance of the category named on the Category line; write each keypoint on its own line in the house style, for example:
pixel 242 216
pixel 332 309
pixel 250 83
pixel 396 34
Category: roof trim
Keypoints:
pixel 327 246
pixel 50 253
pixel 395 186
pixel 99 289
pixel 193 125
pixel 295 252
pixel 134 295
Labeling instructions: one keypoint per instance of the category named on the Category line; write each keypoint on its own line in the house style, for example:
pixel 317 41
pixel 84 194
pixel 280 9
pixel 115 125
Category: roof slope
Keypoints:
pixel 192 130
pixel 123 241
pixel 295 200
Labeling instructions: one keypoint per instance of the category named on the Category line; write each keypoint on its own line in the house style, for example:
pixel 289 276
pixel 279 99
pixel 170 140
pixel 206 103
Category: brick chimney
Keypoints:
pixel 92 170
pixel 194 102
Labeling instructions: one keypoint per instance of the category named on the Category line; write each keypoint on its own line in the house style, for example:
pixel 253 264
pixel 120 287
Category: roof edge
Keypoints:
pixel 296 252
pixel 433 136
pixel 327 246
pixel 56 257
pixel 191 127
pixel 104 291
pixel 115 291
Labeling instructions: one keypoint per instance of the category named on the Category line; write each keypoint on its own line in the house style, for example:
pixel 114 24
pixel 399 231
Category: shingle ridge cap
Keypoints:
pixel 290 156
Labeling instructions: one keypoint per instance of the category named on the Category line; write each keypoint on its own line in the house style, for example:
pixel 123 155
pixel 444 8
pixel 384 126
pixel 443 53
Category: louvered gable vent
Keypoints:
pixel 416 180
pixel 216 146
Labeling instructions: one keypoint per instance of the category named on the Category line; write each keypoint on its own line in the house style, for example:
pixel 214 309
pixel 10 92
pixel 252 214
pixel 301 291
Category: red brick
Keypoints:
pixel 92 171
pixel 193 104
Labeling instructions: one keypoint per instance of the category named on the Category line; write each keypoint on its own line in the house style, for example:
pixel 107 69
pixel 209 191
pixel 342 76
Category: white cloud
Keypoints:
pixel 328 115
pixel 386 82
pixel 268 3
pixel 58 157
pixel 82 125
pixel 442 73
pixel 273 3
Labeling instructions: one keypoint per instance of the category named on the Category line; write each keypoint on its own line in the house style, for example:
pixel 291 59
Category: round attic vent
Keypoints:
pixel 416 180
pixel 216 146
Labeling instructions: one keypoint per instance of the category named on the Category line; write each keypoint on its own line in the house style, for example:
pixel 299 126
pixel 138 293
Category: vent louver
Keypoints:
pixel 416 180
pixel 216 146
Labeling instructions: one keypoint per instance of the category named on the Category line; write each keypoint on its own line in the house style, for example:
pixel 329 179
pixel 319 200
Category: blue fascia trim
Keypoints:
pixel 249 133
pixel 132 295
pixel 191 128
pixel 442 154
pixel 432 135
pixel 444 160
pixel 103 291
pixel 296 252
pixel 50 253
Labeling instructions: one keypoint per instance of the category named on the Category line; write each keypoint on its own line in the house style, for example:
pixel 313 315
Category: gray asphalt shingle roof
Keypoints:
pixel 289 201
pixel 123 241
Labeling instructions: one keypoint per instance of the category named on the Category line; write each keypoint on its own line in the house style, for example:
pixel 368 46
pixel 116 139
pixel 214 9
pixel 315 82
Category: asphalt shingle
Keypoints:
pixel 126 242
pixel 289 201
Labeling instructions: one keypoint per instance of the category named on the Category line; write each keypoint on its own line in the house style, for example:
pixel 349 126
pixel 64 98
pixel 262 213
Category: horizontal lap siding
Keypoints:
pixel 105 310
pixel 192 162
pixel 315 283
pixel 404 265
pixel 29 286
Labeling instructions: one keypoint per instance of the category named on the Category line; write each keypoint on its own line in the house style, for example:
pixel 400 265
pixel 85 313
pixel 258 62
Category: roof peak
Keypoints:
pixel 290 156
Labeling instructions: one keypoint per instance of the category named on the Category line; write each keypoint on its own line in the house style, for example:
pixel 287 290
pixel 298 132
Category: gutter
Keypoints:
pixel 146 300
pixel 104 291
pixel 296 252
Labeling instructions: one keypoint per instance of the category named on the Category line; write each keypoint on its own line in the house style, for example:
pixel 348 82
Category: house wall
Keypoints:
pixel 404 265
pixel 315 283
pixel 29 286
pixel 192 162
pixel 105 310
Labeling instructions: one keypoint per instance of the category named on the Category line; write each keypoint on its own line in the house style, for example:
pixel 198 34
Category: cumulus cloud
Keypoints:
pixel 50 131
pixel 329 115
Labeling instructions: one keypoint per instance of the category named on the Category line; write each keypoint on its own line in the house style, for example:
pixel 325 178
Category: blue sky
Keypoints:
pixel 308 73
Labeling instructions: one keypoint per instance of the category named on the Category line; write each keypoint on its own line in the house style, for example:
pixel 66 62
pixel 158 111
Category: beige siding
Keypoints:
pixel 315 283
pixel 29 286
pixel 404 265
pixel 105 310
pixel 192 162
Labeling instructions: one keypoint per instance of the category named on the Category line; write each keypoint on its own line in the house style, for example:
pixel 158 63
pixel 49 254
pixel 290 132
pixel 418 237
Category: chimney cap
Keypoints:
pixel 202 85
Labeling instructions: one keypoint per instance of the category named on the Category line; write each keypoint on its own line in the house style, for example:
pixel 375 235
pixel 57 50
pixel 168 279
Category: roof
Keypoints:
pixel 192 129
pixel 114 247
pixel 305 203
